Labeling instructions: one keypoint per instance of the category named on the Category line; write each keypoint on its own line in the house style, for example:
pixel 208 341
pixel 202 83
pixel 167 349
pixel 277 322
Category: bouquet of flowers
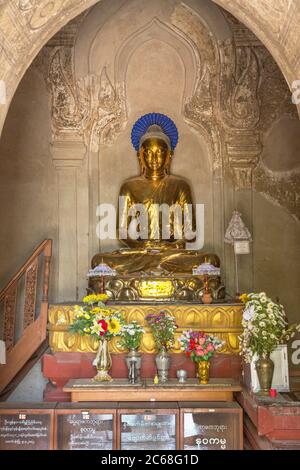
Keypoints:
pixel 96 319
pixel 199 346
pixel 131 335
pixel 265 326
pixel 163 328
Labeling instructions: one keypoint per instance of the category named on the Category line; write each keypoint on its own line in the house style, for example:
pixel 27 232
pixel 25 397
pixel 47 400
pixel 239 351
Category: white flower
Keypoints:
pixel 96 328
pixel 131 332
pixel 249 313
pixel 262 324
pixel 264 333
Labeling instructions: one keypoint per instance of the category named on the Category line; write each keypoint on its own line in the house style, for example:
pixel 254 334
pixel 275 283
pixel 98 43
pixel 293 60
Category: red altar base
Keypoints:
pixel 271 423
pixel 59 368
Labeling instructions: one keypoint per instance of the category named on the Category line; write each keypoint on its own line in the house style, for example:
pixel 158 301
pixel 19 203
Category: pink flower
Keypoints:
pixel 199 353
pixel 201 340
pixel 210 347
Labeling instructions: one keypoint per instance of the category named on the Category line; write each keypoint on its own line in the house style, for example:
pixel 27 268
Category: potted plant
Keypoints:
pixel 265 327
pixel 200 348
pixel 101 322
pixel 131 336
pixel 163 327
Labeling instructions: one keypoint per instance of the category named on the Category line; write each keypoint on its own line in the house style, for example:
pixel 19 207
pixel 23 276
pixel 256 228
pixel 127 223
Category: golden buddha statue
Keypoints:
pixel 156 211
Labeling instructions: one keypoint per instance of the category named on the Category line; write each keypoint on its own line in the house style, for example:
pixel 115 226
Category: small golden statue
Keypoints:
pixel 168 220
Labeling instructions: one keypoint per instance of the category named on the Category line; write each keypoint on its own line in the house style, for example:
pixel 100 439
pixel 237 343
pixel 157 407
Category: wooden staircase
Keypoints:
pixel 24 307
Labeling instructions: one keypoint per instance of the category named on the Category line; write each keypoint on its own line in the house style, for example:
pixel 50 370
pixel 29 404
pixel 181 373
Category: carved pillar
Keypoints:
pixel 68 157
pixel 243 149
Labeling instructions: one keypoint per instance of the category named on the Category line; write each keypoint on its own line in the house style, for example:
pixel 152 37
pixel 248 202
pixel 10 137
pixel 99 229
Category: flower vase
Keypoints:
pixel 103 362
pixel 134 362
pixel 265 369
pixel 203 372
pixel 162 361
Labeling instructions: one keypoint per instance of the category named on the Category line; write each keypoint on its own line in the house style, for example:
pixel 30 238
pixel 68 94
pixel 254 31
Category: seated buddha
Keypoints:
pixel 156 210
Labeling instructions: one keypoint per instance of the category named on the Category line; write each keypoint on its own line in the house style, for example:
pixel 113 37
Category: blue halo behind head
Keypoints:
pixel 142 124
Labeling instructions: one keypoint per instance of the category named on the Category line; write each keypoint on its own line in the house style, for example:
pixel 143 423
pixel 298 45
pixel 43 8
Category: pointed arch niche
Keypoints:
pixel 158 68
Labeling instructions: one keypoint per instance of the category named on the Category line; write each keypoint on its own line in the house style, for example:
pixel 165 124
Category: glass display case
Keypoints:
pixel 24 428
pixel 90 427
pixel 122 426
pixel 211 426
pixel 148 426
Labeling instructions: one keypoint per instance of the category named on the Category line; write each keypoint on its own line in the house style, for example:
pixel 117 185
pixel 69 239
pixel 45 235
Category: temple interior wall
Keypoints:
pixel 60 158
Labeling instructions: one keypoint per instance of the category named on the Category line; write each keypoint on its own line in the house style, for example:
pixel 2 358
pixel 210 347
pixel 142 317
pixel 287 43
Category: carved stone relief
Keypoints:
pixel 239 93
pixel 275 103
pixel 199 109
pixel 39 12
pixel 280 188
pixel 91 107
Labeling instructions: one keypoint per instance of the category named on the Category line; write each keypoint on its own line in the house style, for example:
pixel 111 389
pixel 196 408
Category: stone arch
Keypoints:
pixel 156 29
pixel 22 34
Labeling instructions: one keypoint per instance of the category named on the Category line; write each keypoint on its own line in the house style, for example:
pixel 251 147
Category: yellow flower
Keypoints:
pixel 86 330
pixel 114 326
pixel 77 308
pixel 101 297
pixel 105 313
pixel 94 298
pixel 87 316
pixel 89 299
pixel 96 310
pixel 78 311
pixel 244 298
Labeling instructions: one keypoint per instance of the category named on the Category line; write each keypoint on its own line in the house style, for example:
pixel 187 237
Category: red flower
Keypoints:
pixel 104 327
pixel 192 344
pixel 188 353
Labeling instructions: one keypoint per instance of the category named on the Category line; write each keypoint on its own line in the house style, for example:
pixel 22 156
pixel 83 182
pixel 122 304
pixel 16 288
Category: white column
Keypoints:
pixel 69 158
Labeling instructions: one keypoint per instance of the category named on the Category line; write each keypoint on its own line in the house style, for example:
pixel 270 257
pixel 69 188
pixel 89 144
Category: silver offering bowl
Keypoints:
pixel 181 375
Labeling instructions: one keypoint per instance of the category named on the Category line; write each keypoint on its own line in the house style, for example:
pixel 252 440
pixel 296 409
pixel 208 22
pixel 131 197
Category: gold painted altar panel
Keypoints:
pixel 222 320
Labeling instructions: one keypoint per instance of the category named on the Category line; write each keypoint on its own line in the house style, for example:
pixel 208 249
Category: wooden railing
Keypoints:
pixel 24 306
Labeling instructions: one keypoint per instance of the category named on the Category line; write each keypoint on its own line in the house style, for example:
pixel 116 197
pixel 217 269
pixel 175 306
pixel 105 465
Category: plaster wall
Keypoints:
pixel 51 193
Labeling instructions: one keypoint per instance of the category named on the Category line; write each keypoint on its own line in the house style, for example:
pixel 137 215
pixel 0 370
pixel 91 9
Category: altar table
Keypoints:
pixel 120 390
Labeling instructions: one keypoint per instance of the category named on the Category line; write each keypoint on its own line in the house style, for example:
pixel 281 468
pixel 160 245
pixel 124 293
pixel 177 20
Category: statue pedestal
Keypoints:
pixel 72 355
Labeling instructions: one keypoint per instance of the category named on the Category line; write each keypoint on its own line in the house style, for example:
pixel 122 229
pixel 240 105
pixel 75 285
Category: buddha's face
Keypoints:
pixel 155 156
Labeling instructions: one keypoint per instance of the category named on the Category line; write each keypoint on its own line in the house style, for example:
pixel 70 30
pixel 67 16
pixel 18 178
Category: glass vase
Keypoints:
pixel 162 361
pixel 203 372
pixel 103 362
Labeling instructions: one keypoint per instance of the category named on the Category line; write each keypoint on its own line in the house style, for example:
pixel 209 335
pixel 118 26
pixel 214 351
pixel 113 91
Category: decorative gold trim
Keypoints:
pixel 156 288
pixel 221 320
